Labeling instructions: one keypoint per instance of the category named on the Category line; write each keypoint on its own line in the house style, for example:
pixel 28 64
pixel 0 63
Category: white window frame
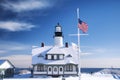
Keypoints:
pixel 49 57
pixel 60 56
pixel 40 68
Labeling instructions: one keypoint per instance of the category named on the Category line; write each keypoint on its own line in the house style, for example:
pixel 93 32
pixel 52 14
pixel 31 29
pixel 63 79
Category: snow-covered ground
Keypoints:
pixel 96 76
pixel 105 74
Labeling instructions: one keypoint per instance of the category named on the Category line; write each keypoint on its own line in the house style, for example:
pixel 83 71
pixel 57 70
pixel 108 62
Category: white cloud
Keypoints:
pixel 17 53
pixel 14 48
pixel 99 50
pixel 86 54
pixel 15 26
pixel 101 62
pixel 94 50
pixel 3 51
pixel 26 5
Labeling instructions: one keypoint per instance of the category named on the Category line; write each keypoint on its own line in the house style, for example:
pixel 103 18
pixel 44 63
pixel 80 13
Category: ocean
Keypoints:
pixel 92 70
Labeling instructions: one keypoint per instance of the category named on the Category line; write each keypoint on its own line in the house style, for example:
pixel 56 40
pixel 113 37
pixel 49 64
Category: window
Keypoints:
pixel 55 57
pixel 69 67
pixel 61 69
pixel 40 68
pixel 55 69
pixel 58 29
pixel 60 56
pixel 49 69
pixel 49 56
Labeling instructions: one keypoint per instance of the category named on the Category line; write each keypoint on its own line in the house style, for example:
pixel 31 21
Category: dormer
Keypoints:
pixel 54 56
pixel 69 55
pixel 40 55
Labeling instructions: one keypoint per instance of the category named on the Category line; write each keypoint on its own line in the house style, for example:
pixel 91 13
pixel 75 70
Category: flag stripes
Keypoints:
pixel 82 26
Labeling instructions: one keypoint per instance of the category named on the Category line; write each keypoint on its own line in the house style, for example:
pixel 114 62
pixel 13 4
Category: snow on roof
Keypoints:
pixel 54 50
pixel 70 62
pixel 40 50
pixel 6 64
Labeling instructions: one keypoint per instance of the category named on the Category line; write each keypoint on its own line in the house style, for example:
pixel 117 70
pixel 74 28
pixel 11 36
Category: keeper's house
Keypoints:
pixel 56 60
pixel 6 69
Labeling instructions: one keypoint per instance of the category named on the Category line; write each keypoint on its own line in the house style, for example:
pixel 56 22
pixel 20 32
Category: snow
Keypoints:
pixel 105 74
pixel 54 50
pixel 84 76
pixel 4 64
pixel 38 50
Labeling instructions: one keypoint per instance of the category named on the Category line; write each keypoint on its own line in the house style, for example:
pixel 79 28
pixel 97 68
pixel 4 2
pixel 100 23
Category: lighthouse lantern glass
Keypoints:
pixel 58 29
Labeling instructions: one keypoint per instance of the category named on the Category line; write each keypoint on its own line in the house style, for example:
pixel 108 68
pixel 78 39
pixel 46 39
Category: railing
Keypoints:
pixel 45 72
pixel 69 72
pixel 36 72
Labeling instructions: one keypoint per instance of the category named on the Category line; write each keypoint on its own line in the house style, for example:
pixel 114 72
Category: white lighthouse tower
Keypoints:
pixel 58 37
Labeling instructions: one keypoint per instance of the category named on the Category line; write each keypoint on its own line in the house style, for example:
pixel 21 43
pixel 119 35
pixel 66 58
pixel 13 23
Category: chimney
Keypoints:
pixel 42 44
pixel 66 44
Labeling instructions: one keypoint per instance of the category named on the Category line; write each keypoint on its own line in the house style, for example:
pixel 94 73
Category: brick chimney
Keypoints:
pixel 66 44
pixel 42 44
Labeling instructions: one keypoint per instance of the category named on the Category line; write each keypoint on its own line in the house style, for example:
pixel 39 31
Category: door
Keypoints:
pixel 61 70
pixel 55 70
pixel 49 70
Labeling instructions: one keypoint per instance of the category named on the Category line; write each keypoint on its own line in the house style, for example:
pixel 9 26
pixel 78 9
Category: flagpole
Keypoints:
pixel 79 62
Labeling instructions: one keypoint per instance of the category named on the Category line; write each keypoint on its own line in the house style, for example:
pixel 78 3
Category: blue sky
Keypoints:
pixel 24 23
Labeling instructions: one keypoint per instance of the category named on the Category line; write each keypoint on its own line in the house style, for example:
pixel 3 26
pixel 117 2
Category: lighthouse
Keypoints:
pixel 55 60
pixel 58 36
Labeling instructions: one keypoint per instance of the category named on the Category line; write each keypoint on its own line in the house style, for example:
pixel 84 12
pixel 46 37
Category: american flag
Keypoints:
pixel 82 26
